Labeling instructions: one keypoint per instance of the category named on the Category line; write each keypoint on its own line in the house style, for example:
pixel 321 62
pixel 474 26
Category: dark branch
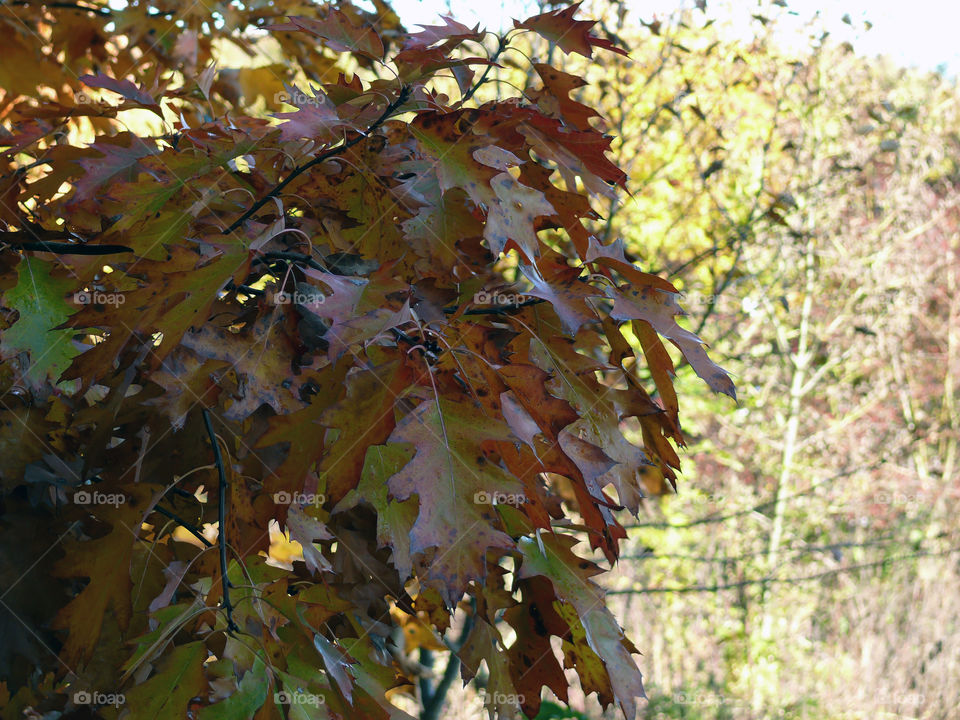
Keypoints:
pixel 222 518
pixel 267 257
pixel 501 46
pixel 245 289
pixel 194 530
pixel 332 152
pixel 431 708
pixel 63 248
pixel 495 309
pixel 102 12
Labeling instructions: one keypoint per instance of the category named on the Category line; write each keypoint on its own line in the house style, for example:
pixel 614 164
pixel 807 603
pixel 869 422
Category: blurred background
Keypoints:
pixel 793 169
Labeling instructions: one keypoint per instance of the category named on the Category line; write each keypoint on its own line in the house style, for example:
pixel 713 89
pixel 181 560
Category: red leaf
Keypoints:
pixel 572 36
pixel 127 89
pixel 339 33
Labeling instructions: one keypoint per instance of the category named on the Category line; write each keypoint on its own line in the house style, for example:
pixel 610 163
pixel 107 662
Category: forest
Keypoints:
pixel 601 365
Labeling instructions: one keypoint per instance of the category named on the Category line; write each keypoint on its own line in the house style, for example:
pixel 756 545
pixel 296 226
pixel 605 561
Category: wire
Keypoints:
pixel 709 519
pixel 771 580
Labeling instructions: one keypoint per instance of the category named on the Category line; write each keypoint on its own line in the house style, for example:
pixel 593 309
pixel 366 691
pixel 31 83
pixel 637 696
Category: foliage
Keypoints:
pixel 294 394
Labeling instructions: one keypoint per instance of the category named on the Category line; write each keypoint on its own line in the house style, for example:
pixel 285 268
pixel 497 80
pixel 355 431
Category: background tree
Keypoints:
pixel 801 197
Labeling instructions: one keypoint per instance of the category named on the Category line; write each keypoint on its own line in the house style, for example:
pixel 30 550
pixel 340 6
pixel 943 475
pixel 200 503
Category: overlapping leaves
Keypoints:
pixel 404 431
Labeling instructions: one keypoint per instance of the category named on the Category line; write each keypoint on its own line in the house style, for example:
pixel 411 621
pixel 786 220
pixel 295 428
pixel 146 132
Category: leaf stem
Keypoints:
pixel 501 46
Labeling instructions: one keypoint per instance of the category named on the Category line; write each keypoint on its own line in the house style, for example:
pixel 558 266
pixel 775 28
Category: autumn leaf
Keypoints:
pixel 551 557
pixel 42 352
pixel 168 693
pixel 554 99
pixel 394 519
pixel 455 479
pixel 512 216
pixel 659 309
pixel 339 33
pixel 137 96
pixel 106 562
pixel 570 35
pixel 305 529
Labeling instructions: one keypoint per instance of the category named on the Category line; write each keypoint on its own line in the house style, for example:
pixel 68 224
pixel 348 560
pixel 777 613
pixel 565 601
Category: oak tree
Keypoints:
pixel 312 365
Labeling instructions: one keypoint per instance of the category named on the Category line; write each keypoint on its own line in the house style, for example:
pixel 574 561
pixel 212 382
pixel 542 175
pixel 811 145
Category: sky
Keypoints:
pixel 918 33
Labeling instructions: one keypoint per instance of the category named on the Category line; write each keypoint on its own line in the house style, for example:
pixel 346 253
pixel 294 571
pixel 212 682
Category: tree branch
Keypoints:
pixel 222 519
pixel 495 309
pixel 501 46
pixel 102 12
pixel 63 248
pixel 194 530
pixel 431 709
pixel 401 98
pixel 266 257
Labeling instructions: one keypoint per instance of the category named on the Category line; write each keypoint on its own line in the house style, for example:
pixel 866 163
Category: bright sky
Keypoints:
pixel 921 33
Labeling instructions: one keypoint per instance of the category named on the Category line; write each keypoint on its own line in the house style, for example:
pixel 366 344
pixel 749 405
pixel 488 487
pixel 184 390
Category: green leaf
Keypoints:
pixel 394 519
pixel 249 697
pixel 168 693
pixel 39 298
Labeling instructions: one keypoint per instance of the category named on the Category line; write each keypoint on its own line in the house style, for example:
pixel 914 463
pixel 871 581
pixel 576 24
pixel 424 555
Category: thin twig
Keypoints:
pixel 102 12
pixel 715 518
pixel 501 45
pixel 789 580
pixel 222 518
pixel 267 257
pixel 186 525
pixel 245 289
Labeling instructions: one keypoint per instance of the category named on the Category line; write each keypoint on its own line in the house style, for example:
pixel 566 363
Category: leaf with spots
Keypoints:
pixel 513 214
